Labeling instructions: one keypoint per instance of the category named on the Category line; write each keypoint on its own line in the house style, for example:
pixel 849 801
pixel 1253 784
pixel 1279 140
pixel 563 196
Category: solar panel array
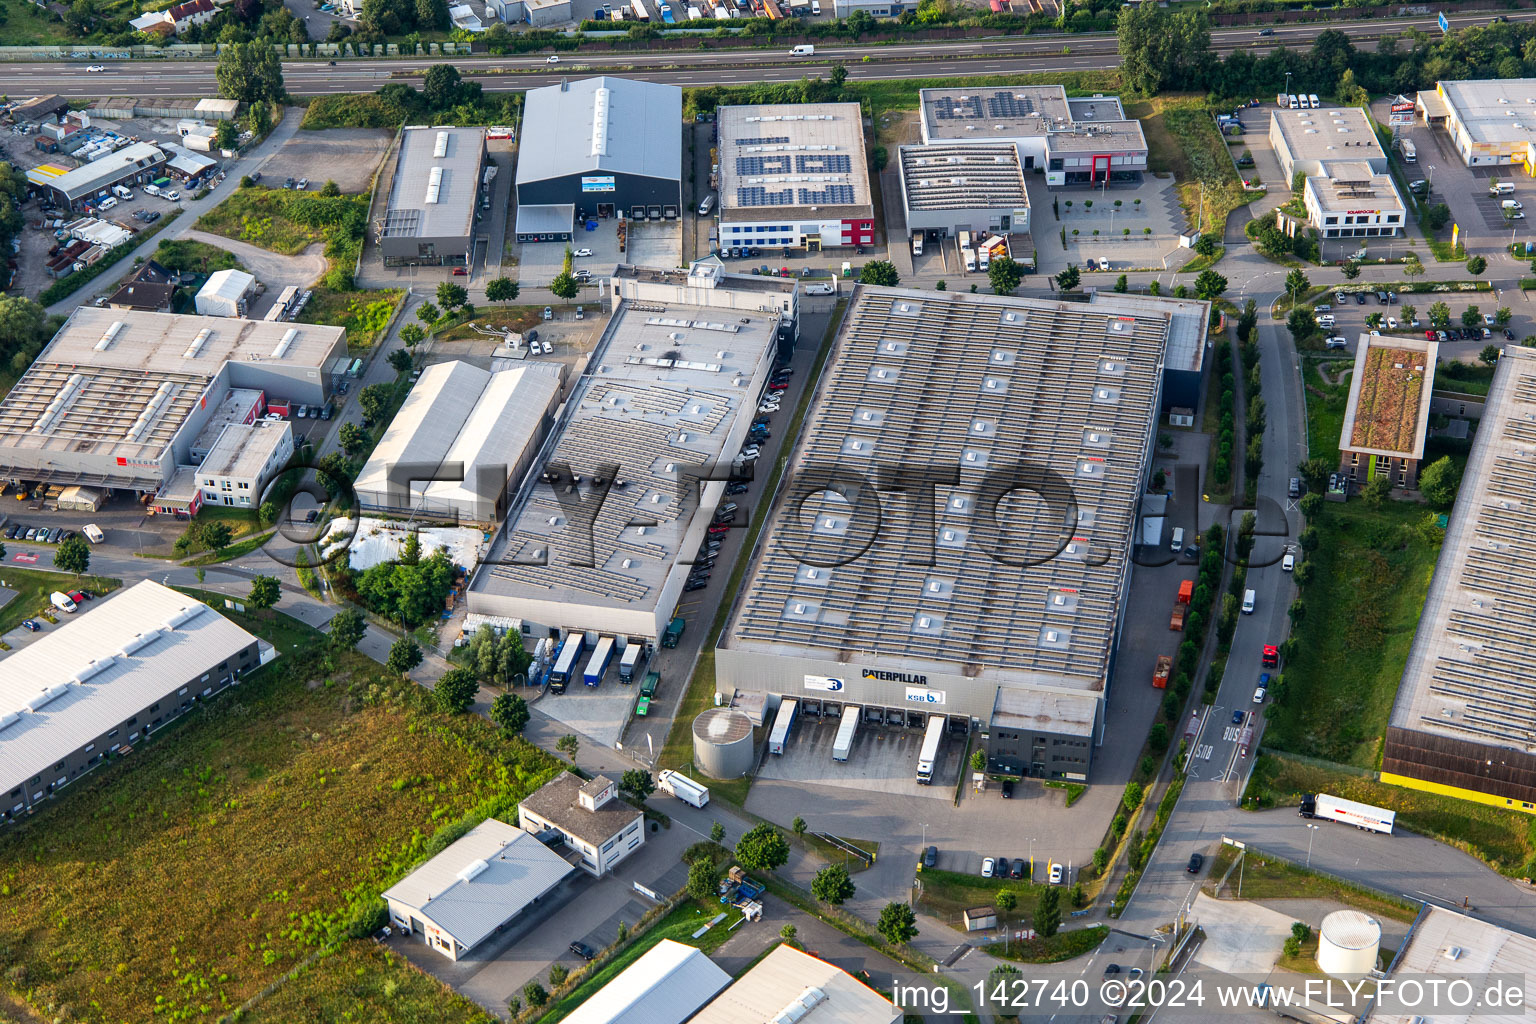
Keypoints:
pixel 962 177
pixel 771 140
pixel 754 165
pixel 756 195
pixel 997 105
pixel 830 195
pixel 823 163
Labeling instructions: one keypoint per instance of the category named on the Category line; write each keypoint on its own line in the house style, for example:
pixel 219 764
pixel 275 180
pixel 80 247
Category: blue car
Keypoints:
pixel 31 625
pixel 1237 717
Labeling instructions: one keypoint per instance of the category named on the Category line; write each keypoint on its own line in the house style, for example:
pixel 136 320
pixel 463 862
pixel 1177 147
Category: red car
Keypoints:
pixel 79 597
pixel 1271 656
pixel 460 272
pixel 719 528
pixel 1429 335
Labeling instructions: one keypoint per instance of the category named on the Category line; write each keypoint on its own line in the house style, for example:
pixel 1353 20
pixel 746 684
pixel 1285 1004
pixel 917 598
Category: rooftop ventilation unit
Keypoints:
pixel 110 335
pixel 9 719
pixel 47 696
pixel 198 343
pixel 185 616
pixel 283 346
pixel 469 872
pixel 55 408
pixel 600 101
pixel 151 411
pixel 798 1007
pixel 94 669
pixel 441 149
pixel 434 185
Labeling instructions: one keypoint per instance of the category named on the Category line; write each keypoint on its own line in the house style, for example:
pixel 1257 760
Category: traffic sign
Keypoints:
pixel 1445 26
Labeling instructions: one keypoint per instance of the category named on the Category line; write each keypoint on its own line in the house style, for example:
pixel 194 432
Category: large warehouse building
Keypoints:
pixel 1348 192
pixel 1077 141
pixel 1490 121
pixel 134 164
pixel 104 679
pixel 1025 411
pixel 599 147
pixel 640 451
pixel 429 218
pixel 117 398
pixel 461 436
pixel 947 188
pixel 795 176
pixel 1464 723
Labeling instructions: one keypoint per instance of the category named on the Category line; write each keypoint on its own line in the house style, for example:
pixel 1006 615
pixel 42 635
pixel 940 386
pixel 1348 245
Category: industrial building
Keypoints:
pixel 971 615
pixel 1490 121
pixel 429 218
pixel 475 887
pixel 186 166
pixel 788 985
pixel 40 109
pixel 708 284
pixel 1445 947
pixel 1386 419
pixel 134 164
pixel 462 434
pixel 245 457
pixel 1077 141
pixel 225 293
pixel 1462 723
pixel 665 986
pixel 795 176
pixel 645 438
pixel 117 398
pixel 117 670
pixel 598 147
pixel 949 187
pixel 588 816
pixel 1348 192
pixel 1189 323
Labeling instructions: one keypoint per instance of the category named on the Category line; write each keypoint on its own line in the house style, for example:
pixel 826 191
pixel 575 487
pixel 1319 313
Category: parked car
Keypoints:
pixel 582 252
pixel 930 856
pixel 1020 867
pixel 1196 862
pixel 987 866
pixel 1007 789
pixel 1359 298
pixel 1288 563
pixel 1055 874
pixel 1111 969
pixel 31 625
pixel 302 184
pixel 10 531
pixel 1509 335
pixel 288 183
pixel 460 271
pixel 736 488
pixel 549 314
pixel 583 950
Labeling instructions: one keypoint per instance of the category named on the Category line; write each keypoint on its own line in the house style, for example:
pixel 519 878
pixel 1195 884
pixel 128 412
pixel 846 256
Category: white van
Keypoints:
pixel 1326 320
pixel 122 192
pixel 93 533
pixel 1293 101
pixel 63 602
pixel 107 203
pixel 1502 188
pixel 1178 539
pixel 1511 204
pixel 802 51
pixel 1312 101
pixel 1249 597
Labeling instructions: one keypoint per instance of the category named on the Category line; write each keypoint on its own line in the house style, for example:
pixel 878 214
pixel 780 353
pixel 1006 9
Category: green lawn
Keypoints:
pixel 1325 404
pixel 1370 573
pixel 1266 877
pixel 1506 840
pixel 194 257
pixel 947 894
pixel 33 587
pixel 255 831
pixel 365 314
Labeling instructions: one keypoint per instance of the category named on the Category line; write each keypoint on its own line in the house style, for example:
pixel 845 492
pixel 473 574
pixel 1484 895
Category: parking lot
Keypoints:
pixel 347 156
pixel 883 759
pixel 1350 316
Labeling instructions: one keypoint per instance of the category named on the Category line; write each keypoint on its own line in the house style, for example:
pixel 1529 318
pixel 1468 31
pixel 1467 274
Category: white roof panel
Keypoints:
pixel 665 986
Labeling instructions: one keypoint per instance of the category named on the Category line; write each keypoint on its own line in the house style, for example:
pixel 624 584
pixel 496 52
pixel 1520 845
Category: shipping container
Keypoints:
pixel 783 722
pixel 602 657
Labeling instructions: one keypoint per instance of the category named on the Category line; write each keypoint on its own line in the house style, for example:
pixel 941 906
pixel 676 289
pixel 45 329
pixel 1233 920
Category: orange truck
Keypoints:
pixel 1162 672
pixel 1177 622
pixel 1186 591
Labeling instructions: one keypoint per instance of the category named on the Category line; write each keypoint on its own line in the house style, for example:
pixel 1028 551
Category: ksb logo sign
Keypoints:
pixel 922 695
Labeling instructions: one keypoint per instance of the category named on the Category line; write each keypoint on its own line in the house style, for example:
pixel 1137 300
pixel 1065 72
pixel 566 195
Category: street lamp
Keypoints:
pixel 1311 834
pixel 1031 858
pixel 1429 186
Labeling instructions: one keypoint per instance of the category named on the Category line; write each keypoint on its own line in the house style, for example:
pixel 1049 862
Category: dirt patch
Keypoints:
pixel 347 156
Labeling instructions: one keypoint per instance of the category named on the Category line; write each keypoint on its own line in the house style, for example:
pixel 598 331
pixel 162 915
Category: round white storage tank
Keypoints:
pixel 722 743
pixel 1347 943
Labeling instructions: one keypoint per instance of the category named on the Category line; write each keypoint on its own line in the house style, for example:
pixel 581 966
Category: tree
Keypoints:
pixel 798 826
pixel 637 781
pixel 226 135
pixel 455 692
pixel 568 745
pixel 217 535
pixel 1438 482
pixel 564 285
pixel 535 994
pixel 1122 284
pixel 73 555
pixel 1489 355
pixel 330 189
pixel 450 295
pixel 404 655
pixel 763 848
pixel 1005 900
pixel 1471 317
pixel 268 513
pixel 441 86
pixel 978 760
pixel 1413 268
pixel 1209 285
pixel 1476 265
pixel 789 931
pixel 1205 245
pixel 702 879
pixel 1409 314
pixel 558 973
pixel 1048 912
pixel 1302 324
pixel 1503 315
pixel 264 592
pixel 428 313
pixel 1351 270
pixel 833 885
pixel 1296 282
pixel 250 73
pixel 411 335
pixel 333 466
pixel 1376 490
pixel 373 400
pixel 352 438
pixel 1310 504
pixel 1160 49
pixel 1068 279
pixel 400 359
pixel 347 628
pixel 510 713
pixel 1350 92
pixel 897 923
pixel 1005 275
pixel 716 832
pixel 501 289
pixel 880 272
pixel 1439 314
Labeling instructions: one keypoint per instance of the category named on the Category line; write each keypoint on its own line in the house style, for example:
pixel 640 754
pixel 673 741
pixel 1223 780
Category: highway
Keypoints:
pixel 949 59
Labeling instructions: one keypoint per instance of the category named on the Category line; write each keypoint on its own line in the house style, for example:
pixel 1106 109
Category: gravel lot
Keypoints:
pixel 347 156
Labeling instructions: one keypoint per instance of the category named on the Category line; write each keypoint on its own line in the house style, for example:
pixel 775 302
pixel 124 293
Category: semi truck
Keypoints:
pixel 630 662
pixel 647 693
pixel 565 662
pixel 1350 812
pixel 674 632
pixel 843 745
pixel 1162 672
pixel 782 723
pixel 682 787
pixel 597 667
pixel 930 752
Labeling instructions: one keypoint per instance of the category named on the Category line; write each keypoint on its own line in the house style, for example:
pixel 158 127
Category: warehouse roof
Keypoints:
pixel 665 986
pixel 1482 949
pixel 960 177
pixel 810 989
pixel 1332 134
pixel 481 882
pixel 437 176
pixel 101 666
pixel 1025 112
pixel 1189 322
pixel 787 159
pixel 185 161
pixel 1354 186
pixel 1053 402
pixel 1492 109
pixel 664 391
pixel 244 449
pixel 501 424
pixel 1471 672
pixel 428 421
pixel 112 168
pixel 603 124
pixel 1389 396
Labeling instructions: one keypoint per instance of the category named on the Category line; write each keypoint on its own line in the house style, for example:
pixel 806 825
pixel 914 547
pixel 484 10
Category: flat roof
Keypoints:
pixel 604 124
pixel 1022 709
pixel 972 386
pixel 545 218
pixel 1189 324
pixel 236 407
pixel 708 272
pixel 665 986
pixel 1025 112
pixel 662 392
pixel 1471 672
pixel 242 450
pixel 126 380
pixel 481 881
pixel 105 663
pixel 1327 135
pixel 827 994
pixel 437 176
pixel 98 173
pixel 1353 186
pixel 778 158
pixel 1389 396
pixel 957 177
pixel 558 802
pixel 1493 110
pixel 186 161
pixel 1485 949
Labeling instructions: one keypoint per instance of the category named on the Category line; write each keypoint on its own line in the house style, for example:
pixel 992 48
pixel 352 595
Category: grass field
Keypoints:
pixel 1506 840
pixel 1325 404
pixel 193 256
pixel 1265 877
pixel 502 318
pixel 1182 140
pixel 33 587
pixel 1370 573
pixel 176 883
pixel 947 894
pixel 364 313
pixel 361 983
pixel 260 216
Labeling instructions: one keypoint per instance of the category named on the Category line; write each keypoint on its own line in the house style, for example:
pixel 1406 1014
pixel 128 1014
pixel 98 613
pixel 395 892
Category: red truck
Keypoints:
pixel 1162 672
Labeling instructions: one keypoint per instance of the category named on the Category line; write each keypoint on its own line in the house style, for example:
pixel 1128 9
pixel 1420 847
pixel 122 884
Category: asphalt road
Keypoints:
pixel 961 58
